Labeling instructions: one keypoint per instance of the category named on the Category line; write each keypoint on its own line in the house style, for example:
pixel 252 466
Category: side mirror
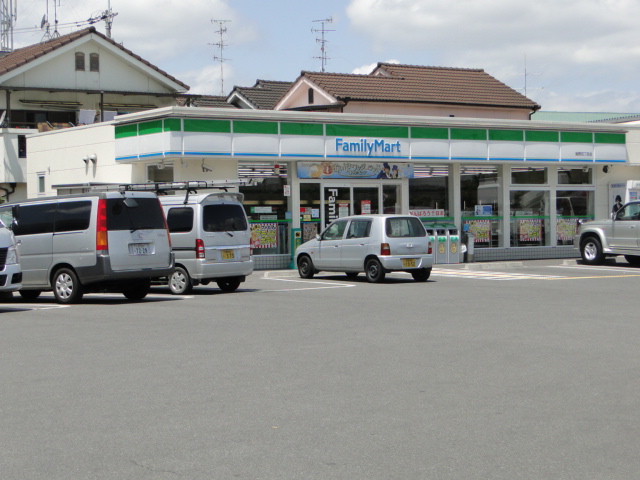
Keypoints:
pixel 318 237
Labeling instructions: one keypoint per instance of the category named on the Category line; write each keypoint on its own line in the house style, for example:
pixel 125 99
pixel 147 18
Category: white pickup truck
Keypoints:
pixel 619 235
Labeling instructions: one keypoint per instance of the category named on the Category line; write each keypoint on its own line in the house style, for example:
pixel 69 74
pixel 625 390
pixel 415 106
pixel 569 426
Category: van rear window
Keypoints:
pixel 223 218
pixel 136 214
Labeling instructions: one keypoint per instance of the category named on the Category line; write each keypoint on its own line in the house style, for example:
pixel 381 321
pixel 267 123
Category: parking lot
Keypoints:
pixel 501 371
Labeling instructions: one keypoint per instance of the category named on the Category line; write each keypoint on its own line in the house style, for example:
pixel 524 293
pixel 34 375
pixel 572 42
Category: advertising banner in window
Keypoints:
pixel 530 230
pixel 566 228
pixel 355 170
pixel 480 229
pixel 264 235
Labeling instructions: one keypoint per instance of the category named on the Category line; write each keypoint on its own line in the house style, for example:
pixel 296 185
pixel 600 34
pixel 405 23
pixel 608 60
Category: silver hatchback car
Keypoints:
pixel 374 244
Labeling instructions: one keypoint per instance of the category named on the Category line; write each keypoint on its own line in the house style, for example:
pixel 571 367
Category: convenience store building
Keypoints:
pixel 519 186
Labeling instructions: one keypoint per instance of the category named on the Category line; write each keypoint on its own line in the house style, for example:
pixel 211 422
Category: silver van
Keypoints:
pixel 113 241
pixel 211 240
pixel 10 271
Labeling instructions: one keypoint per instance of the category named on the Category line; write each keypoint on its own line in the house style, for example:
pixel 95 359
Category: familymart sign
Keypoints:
pixel 175 137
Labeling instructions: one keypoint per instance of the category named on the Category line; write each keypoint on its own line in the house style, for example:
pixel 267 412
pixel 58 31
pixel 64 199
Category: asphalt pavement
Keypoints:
pixel 494 371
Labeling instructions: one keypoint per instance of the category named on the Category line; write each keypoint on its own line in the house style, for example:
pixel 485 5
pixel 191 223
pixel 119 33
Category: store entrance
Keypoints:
pixel 340 200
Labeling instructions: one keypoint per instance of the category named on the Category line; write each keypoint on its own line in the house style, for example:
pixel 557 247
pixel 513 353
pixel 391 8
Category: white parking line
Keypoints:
pixel 313 282
pixel 487 275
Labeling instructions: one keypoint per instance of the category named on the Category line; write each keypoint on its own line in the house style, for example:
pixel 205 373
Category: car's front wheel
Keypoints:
pixel 137 290
pixel 66 286
pixel 374 271
pixel 30 295
pixel 421 275
pixel 305 267
pixel 591 250
pixel 180 282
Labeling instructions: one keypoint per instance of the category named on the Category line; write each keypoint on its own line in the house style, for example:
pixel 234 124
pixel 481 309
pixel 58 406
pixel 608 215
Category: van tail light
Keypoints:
pixel 385 249
pixel 199 248
pixel 102 237
pixel 166 225
pixel 430 248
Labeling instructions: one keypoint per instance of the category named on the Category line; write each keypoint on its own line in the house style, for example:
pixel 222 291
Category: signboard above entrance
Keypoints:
pixel 354 170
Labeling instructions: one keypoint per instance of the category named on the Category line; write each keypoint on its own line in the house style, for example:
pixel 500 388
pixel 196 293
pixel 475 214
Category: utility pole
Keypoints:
pixel 322 41
pixel 221 46
pixel 8 14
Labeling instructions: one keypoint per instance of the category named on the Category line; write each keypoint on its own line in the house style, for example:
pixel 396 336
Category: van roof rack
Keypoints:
pixel 189 186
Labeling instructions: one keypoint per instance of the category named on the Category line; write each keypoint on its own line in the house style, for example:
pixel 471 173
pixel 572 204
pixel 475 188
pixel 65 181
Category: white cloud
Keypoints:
pixel 367 69
pixel 571 44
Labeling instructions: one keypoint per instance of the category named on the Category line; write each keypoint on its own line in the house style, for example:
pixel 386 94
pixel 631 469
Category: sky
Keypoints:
pixel 565 55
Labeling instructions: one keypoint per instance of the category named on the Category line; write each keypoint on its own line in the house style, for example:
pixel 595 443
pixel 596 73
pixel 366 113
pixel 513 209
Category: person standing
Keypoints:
pixel 616 206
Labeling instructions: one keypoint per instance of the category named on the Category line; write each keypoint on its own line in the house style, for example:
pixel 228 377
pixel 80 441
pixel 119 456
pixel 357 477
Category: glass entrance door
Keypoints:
pixel 340 200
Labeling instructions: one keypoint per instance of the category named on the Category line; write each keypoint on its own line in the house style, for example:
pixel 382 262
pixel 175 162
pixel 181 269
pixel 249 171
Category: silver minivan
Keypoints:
pixel 373 244
pixel 99 241
pixel 211 240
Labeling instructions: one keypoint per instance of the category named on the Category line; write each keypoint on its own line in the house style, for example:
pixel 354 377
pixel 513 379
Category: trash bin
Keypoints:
pixel 441 254
pixel 453 244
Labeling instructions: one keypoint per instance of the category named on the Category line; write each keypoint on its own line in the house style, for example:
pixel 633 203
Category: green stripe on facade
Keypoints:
pixel 247 126
pixel 207 126
pixel 617 138
pixel 576 137
pixel 287 128
pixel 430 133
pixel 339 130
pixel 124 131
pixel 506 135
pixel 147 128
pixel 172 125
pixel 541 136
pixel 468 134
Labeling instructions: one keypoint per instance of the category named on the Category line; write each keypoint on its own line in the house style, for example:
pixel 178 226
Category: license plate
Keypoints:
pixel 139 249
pixel 409 262
pixel 228 254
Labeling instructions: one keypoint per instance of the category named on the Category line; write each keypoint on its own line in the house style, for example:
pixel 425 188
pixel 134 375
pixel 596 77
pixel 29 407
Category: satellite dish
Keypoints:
pixel 44 21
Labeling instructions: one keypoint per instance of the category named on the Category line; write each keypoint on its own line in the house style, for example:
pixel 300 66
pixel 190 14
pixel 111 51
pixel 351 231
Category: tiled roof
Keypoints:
pixel 265 94
pixel 417 84
pixel 22 56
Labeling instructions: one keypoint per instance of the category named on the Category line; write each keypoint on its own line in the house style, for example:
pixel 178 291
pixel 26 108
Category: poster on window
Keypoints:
pixel 480 229
pixel 264 235
pixel 530 230
pixel 566 228
pixel 309 231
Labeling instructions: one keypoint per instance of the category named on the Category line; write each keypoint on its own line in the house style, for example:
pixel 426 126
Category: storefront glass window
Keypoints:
pixel 429 192
pixel 529 176
pixel 266 207
pixel 571 207
pixel 529 218
pixel 575 176
pixel 480 202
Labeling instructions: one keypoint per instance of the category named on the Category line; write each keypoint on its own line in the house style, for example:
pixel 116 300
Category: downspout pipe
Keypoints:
pixel 7 192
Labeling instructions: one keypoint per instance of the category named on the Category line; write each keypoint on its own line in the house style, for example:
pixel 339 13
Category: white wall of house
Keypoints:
pixel 58 157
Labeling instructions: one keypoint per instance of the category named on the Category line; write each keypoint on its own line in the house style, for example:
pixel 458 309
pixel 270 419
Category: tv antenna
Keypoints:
pixel 107 16
pixel 221 46
pixel 46 26
pixel 526 76
pixel 322 41
pixel 8 14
